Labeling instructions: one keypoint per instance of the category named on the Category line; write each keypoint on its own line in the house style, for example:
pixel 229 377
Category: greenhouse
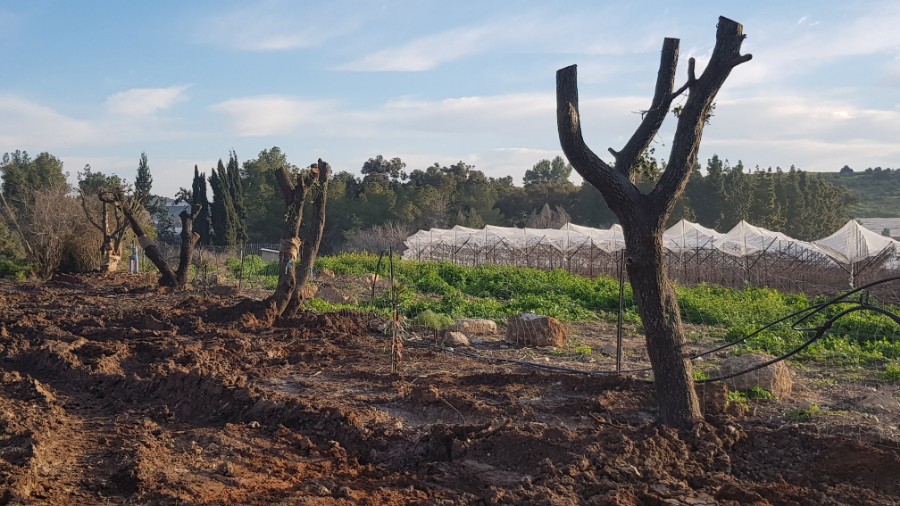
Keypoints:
pixel 745 255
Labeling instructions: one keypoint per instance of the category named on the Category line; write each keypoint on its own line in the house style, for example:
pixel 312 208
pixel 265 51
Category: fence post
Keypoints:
pixel 241 272
pixel 621 313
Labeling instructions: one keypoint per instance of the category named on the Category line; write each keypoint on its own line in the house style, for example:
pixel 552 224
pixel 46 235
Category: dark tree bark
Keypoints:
pixel 643 216
pixel 189 240
pixel 311 237
pixel 128 206
pixel 294 189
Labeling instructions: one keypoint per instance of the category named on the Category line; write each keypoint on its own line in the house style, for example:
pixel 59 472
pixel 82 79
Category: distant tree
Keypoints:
pixel 764 210
pixel 223 215
pixel 200 205
pixel 381 171
pixel 143 182
pixel 379 238
pixel 236 188
pixel 549 218
pixel 556 171
pixel 23 176
pixel 264 205
pixel 846 171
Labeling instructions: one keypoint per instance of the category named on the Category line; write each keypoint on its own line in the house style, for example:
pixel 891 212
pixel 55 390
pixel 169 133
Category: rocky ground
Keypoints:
pixel 113 391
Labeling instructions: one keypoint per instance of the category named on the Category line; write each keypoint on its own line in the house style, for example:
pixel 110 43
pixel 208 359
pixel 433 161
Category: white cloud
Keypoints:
pixel 277 26
pixel 272 115
pixel 425 53
pixel 784 50
pixel 145 101
pixel 806 130
pixel 249 30
pixel 25 124
pixel 429 52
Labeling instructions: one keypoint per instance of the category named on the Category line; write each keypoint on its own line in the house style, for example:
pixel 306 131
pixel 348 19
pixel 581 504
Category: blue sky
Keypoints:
pixel 431 81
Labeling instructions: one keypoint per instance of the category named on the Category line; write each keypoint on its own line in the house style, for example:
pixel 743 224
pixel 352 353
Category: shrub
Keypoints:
pixel 435 321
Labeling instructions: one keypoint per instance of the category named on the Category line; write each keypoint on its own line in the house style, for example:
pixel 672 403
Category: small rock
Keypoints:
pixel 879 401
pixel 455 340
pixel 476 326
pixel 776 378
pixel 253 425
pixel 609 349
pixel 224 468
pixel 533 330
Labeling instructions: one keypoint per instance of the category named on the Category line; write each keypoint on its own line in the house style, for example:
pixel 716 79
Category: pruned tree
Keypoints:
pixel 112 225
pixel 311 236
pixel 130 208
pixel 295 186
pixel 643 215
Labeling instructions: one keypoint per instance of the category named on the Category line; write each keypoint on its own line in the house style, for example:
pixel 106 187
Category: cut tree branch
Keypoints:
pixel 612 184
pixel 627 158
pixel 725 56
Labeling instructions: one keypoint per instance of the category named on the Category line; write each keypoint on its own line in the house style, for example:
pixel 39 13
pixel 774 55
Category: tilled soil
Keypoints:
pixel 113 391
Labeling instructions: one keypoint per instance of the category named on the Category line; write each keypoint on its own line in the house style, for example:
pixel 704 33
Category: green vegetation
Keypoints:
pixel 430 291
pixel 10 269
pixel 431 320
pixel 891 372
pixel 743 397
pixel 877 191
pixel 811 412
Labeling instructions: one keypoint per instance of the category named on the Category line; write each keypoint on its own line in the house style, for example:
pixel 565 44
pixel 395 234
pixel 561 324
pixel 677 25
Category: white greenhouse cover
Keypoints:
pixel 853 243
pixel 689 236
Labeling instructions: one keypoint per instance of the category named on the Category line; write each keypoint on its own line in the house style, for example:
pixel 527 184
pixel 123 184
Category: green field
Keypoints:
pixel 432 294
pixel 878 196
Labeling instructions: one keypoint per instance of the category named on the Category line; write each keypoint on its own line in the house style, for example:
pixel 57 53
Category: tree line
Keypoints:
pixel 239 202
pixel 387 201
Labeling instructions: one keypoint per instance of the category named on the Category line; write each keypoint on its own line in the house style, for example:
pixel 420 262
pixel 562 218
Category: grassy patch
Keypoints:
pixel 891 372
pixel 856 341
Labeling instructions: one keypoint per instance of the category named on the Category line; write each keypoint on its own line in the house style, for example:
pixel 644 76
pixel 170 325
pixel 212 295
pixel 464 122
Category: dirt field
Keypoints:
pixel 117 392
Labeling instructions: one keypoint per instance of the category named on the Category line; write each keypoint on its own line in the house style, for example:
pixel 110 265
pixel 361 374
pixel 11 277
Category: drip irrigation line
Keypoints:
pixel 807 314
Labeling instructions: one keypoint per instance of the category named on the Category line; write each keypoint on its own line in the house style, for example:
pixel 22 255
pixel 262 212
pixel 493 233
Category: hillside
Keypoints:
pixel 878 192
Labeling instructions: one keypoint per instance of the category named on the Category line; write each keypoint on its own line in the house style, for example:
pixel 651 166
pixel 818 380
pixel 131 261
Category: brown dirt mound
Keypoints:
pixel 112 390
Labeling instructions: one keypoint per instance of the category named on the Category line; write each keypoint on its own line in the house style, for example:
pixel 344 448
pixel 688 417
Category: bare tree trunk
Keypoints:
pixel 312 238
pixel 189 239
pixel 661 317
pixel 150 249
pixel 294 189
pixel 643 216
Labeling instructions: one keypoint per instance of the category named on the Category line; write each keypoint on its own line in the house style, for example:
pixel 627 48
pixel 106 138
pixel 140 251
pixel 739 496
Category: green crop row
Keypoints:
pixel 443 290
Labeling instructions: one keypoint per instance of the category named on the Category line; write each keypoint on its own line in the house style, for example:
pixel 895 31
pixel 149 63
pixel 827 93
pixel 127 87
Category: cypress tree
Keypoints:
pixel 223 215
pixel 143 182
pixel 199 198
pixel 236 189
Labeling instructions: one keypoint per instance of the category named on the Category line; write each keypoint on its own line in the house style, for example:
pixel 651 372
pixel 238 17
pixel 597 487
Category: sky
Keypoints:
pixel 101 82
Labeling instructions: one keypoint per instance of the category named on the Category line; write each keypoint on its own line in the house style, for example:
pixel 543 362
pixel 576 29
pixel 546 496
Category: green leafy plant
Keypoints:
pixel 891 372
pixel 431 320
pixel 806 414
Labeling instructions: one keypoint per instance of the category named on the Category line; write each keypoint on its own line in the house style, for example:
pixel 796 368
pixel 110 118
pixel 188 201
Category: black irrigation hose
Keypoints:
pixel 820 331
